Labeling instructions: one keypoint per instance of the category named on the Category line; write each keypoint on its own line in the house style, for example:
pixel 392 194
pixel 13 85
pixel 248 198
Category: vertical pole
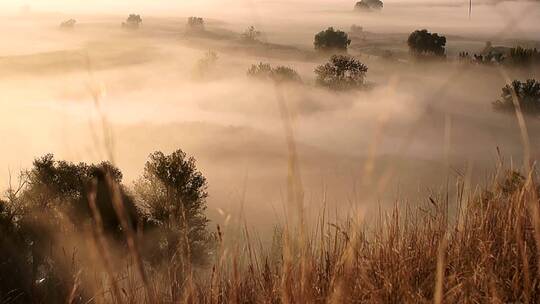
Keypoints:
pixel 470 9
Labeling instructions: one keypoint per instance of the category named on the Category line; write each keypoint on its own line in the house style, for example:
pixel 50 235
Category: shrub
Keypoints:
pixel 368 5
pixel 195 24
pixel 60 187
pixel 523 57
pixel 206 64
pixel 261 71
pixel 173 195
pixel 133 22
pixel 332 40
pixel 251 34
pixel 278 74
pixel 342 72
pixel 423 42
pixel 49 213
pixel 68 24
pixel 527 95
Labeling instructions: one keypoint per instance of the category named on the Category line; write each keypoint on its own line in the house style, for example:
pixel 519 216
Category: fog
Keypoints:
pixel 99 92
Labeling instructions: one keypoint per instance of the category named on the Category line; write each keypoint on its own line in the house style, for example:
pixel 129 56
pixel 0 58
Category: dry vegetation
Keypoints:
pixel 78 233
pixel 482 248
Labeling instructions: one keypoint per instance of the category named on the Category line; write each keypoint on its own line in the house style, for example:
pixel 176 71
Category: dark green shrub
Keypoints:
pixel 526 94
pixel 368 5
pixel 332 40
pixel 422 42
pixel 133 22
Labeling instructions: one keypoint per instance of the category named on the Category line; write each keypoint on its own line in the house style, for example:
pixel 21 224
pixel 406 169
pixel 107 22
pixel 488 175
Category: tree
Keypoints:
pixel 68 24
pixel 423 42
pixel 526 94
pixel 260 71
pixel 330 40
pixel 251 34
pixel 15 272
pixel 195 24
pixel 60 187
pixel 342 72
pixel 279 74
pixel 369 5
pixel 173 195
pixel 53 204
pixel 133 22
pixel 523 57
pixel 205 65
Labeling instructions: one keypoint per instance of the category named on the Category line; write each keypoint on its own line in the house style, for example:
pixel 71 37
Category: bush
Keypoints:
pixel 423 42
pixel 265 71
pixel 61 187
pixel 173 196
pixel 332 40
pixel 368 5
pixel 251 34
pixel 52 212
pixel 49 214
pixel 527 95
pixel 523 57
pixel 133 22
pixel 68 24
pixel 195 24
pixel 206 64
pixel 342 72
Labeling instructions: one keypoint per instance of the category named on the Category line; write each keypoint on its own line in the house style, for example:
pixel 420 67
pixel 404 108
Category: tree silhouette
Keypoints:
pixel 63 187
pixel 51 204
pixel 251 34
pixel 526 94
pixel 523 57
pixel 68 24
pixel 195 24
pixel 423 42
pixel 331 40
pixel 173 195
pixel 342 72
pixel 280 74
pixel 368 5
pixel 133 22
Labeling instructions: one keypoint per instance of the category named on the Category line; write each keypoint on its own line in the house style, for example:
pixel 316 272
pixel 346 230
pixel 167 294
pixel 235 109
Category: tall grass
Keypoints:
pixel 482 252
pixel 480 248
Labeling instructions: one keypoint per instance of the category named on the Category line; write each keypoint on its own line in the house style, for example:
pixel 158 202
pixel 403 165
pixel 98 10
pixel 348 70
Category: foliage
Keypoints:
pixel 423 42
pixel 487 59
pixel 527 95
pixel 51 204
pixel 173 195
pixel 342 72
pixel 205 65
pixel 15 272
pixel 57 202
pixel 265 71
pixel 195 24
pixel 133 22
pixel 523 57
pixel 251 34
pixel 332 40
pixel 406 255
pixel 61 188
pixel 368 5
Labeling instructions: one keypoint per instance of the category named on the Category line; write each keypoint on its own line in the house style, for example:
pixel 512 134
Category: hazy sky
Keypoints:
pixel 160 5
